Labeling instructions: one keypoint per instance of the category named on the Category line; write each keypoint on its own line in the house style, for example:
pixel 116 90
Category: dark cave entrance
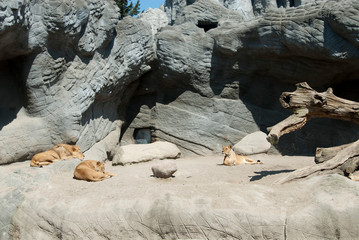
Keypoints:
pixel 12 89
pixel 347 89
pixel 291 3
pixel 142 135
pixel 207 25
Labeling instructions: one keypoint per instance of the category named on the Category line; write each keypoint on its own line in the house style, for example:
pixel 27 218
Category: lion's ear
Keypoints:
pixel 230 146
pixel 98 163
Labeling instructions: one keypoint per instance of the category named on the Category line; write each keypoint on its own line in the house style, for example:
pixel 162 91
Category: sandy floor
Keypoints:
pixel 201 176
pixel 205 176
pixel 194 169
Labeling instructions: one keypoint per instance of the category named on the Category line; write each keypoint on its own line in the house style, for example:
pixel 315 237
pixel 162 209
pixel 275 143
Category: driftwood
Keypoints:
pixel 306 103
pixel 324 154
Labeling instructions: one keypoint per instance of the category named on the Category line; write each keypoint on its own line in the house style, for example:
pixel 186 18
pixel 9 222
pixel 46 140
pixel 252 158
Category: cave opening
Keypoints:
pixel 12 89
pixel 207 25
pixel 347 89
pixel 142 136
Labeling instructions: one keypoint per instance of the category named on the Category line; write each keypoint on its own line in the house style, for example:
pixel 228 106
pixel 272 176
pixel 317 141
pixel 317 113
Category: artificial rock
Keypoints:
pixel 198 74
pixel 137 153
pixel 208 75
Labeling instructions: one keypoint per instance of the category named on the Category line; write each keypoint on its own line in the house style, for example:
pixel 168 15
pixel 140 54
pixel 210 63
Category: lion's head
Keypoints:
pixel 76 152
pixel 226 149
pixel 100 167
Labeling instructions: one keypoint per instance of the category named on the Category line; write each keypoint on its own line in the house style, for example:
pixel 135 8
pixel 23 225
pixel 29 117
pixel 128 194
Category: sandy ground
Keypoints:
pixel 210 168
pixel 202 176
pixel 201 168
pixel 197 177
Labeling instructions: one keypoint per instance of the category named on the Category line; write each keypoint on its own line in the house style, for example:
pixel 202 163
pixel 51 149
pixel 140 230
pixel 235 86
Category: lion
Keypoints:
pixel 232 159
pixel 57 153
pixel 353 177
pixel 92 171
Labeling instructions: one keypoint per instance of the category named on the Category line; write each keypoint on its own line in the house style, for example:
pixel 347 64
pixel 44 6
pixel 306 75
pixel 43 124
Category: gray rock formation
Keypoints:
pixel 68 76
pixel 155 17
pixel 219 76
pixel 72 72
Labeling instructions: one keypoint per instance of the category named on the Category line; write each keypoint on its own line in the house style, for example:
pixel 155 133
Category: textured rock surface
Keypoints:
pixel 68 77
pixel 164 169
pixel 71 72
pixel 136 153
pixel 203 201
pixel 155 17
pixel 211 78
pixel 253 143
pixel 207 59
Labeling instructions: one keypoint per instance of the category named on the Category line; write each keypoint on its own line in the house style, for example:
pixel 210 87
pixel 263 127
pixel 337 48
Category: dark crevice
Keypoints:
pixel 142 135
pixel 207 25
pixel 12 89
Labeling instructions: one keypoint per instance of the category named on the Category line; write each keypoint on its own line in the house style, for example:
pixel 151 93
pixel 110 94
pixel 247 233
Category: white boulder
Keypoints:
pixel 253 143
pixel 136 153
pixel 164 169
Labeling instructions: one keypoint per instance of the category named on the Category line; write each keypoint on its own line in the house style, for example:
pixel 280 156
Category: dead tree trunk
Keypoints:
pixel 306 103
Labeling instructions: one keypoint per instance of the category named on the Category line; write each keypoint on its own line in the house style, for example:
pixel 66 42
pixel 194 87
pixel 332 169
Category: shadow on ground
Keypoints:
pixel 263 174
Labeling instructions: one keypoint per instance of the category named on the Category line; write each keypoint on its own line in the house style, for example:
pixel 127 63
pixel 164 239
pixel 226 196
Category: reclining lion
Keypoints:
pixel 353 177
pixel 91 170
pixel 57 153
pixel 232 159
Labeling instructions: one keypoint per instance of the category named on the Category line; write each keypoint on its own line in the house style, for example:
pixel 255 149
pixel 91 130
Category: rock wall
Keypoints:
pixel 66 80
pixel 219 76
pixel 206 75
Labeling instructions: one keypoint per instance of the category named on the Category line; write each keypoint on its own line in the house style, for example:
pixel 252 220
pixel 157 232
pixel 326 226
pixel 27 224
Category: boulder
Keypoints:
pixel 136 153
pixel 253 143
pixel 164 169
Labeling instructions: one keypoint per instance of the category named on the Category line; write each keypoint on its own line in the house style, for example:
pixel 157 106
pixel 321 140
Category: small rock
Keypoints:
pixel 253 143
pixel 164 169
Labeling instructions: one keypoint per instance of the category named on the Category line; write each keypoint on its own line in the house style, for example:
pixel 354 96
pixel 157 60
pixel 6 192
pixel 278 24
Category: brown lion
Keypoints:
pixel 91 170
pixel 57 153
pixel 232 159
pixel 354 177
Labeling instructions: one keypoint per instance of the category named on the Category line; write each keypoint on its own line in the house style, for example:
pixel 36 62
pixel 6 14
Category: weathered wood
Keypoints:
pixel 350 165
pixel 329 166
pixel 324 154
pixel 306 103
pixel 290 124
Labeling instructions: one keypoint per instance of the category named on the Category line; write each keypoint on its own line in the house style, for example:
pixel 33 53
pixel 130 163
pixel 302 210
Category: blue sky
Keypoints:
pixel 144 4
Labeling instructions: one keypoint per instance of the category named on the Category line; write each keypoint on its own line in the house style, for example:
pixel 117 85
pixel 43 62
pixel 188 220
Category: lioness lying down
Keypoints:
pixel 354 177
pixel 91 170
pixel 57 153
pixel 232 159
